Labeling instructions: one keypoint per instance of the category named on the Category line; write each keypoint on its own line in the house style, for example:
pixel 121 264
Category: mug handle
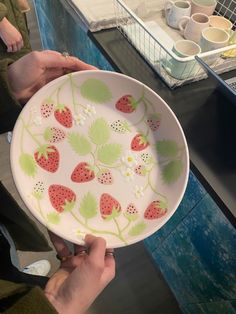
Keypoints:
pixel 168 5
pixel 188 3
pixel 182 23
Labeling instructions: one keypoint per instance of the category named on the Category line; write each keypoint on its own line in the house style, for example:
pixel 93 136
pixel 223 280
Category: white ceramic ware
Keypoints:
pixel 175 10
pixel 203 6
pixel 183 69
pixel 191 27
pixel 220 22
pixel 99 152
pixel 213 38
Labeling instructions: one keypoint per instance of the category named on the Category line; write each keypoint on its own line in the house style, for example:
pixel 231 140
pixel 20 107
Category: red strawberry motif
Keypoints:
pixel 46 108
pixel 126 104
pixel 47 157
pixel 104 176
pixel 139 142
pixel 54 135
pixel 109 206
pixel 83 172
pixel 154 121
pixel 61 197
pixel 140 170
pixel 155 210
pixel 63 115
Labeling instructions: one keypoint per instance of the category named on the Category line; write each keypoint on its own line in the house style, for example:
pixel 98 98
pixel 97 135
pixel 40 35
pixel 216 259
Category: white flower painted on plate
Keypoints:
pixel 129 159
pixel 138 191
pixel 128 173
pixel 89 110
pixel 79 233
pixel 37 121
pixel 33 109
pixel 79 119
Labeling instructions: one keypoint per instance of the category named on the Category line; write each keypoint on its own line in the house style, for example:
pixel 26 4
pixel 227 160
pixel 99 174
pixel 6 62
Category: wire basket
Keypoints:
pixel 162 59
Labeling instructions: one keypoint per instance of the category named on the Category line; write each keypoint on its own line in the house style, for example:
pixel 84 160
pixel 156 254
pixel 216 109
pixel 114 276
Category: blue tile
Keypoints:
pixel 222 307
pixel 193 194
pixel 198 259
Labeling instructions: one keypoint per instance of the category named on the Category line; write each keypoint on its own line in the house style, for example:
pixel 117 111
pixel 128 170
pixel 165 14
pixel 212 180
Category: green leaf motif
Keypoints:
pixel 109 153
pixel 68 205
pixel 53 218
pixel 131 217
pixel 99 132
pixel 47 135
pixel 137 229
pixel 114 214
pixel 38 195
pixel 172 171
pixel 88 206
pixel 79 143
pixel 96 91
pixel 28 164
pixel 167 148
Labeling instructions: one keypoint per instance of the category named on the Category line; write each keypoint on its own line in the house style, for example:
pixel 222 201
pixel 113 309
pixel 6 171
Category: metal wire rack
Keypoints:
pixel 162 59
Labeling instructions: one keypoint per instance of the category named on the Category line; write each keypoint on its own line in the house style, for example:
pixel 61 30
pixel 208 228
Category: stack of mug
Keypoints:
pixel 202 31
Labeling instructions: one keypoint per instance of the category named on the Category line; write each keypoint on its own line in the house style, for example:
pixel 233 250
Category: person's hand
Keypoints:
pixel 28 74
pixel 11 36
pixel 81 277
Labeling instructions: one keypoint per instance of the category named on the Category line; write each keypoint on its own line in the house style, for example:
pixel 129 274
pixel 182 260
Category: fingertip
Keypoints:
pixel 90 238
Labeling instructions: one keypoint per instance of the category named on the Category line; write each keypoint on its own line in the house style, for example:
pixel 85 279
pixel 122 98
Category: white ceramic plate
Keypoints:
pixel 99 152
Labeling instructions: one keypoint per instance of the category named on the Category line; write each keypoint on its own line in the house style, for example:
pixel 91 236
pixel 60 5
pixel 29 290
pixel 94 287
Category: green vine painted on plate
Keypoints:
pixel 88 209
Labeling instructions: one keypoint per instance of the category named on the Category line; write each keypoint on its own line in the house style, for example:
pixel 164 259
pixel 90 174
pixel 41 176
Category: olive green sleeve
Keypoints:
pixel 21 298
pixel 3 11
pixel 9 106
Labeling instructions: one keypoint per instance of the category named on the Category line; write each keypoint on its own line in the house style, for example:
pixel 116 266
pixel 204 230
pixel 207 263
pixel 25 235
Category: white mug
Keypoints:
pixel 175 10
pixel 213 38
pixel 203 6
pixel 184 69
pixel 220 22
pixel 191 27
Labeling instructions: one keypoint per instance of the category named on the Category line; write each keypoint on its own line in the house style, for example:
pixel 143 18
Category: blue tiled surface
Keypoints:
pixel 193 194
pixel 222 307
pixel 198 259
pixel 59 31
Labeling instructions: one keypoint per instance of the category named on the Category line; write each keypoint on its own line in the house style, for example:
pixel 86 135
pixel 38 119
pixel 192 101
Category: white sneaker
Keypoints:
pixel 39 268
pixel 9 137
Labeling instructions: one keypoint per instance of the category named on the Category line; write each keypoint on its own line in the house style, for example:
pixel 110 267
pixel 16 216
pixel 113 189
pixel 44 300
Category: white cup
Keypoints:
pixel 191 27
pixel 220 22
pixel 213 38
pixel 175 10
pixel 203 6
pixel 183 69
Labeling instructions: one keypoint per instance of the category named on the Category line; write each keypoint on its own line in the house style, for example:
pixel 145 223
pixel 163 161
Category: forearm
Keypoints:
pixel 63 308
pixel 62 300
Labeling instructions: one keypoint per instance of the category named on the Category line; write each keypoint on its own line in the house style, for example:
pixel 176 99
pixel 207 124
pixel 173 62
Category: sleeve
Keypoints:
pixel 3 11
pixel 24 299
pixel 9 106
